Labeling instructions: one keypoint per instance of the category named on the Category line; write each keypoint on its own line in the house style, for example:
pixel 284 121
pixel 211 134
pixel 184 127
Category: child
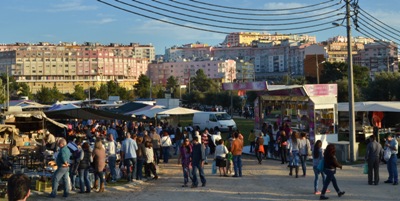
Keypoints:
pixel 229 164
pixel 150 167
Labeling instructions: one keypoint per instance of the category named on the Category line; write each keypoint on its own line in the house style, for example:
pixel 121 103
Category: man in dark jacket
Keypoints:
pixel 197 157
pixel 373 156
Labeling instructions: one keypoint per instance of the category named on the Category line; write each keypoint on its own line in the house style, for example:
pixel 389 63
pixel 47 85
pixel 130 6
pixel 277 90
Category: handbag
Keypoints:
pixel 321 165
pixel 387 154
pixel 214 168
pixel 261 149
pixel 365 168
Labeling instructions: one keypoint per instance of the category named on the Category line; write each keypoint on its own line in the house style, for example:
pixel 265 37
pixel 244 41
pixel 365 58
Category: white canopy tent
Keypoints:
pixel 370 106
pixel 178 111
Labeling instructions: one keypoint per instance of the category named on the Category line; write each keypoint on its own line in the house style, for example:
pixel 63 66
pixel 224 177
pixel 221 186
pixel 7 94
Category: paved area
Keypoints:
pixel 268 181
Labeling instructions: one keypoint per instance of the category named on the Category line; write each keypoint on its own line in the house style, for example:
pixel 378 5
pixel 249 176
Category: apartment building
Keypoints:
pixel 378 56
pixel 68 64
pixel 246 38
pixel 221 70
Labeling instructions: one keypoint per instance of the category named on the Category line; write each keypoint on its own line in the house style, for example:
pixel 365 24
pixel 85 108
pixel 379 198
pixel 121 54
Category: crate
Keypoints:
pixel 43 186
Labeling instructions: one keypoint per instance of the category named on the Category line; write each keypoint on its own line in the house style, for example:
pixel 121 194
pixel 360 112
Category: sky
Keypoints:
pixel 55 21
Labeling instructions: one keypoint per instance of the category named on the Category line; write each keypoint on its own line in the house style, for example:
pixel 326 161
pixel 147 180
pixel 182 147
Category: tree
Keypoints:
pixel 102 93
pixel 343 94
pixel 200 82
pixel 44 95
pixel 142 88
pixel 56 95
pixel 24 90
pixel 79 93
pixel 385 87
pixel 338 71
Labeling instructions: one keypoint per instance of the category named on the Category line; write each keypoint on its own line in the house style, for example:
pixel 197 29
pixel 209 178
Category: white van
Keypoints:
pixel 222 120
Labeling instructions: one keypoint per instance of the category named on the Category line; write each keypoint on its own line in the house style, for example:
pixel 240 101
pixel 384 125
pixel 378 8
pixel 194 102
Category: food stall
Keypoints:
pixel 309 108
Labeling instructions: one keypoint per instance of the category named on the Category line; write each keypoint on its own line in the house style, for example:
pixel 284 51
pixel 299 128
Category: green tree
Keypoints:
pixel 385 87
pixel 200 82
pixel 338 70
pixel 44 95
pixel 142 88
pixel 24 90
pixel 56 95
pixel 102 92
pixel 343 95
pixel 79 93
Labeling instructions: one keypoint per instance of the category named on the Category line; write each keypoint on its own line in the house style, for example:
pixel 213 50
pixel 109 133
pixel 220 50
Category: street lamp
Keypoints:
pixel 352 137
pixel 318 69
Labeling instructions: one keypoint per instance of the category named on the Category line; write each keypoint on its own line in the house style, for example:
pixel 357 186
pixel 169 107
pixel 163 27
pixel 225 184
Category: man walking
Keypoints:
pixel 198 156
pixel 128 153
pixel 62 162
pixel 392 144
pixel 373 156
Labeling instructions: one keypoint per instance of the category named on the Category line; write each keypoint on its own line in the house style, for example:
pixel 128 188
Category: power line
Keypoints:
pixel 231 22
pixel 377 19
pixel 249 9
pixel 168 22
pixel 378 33
pixel 248 19
pixel 381 26
pixel 255 14
pixel 219 26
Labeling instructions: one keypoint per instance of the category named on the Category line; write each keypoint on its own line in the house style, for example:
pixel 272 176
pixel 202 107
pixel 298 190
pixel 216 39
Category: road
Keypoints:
pixel 269 181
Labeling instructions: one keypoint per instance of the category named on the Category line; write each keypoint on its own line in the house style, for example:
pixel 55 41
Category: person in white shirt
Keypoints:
pixel 112 157
pixel 166 144
pixel 220 157
pixel 266 143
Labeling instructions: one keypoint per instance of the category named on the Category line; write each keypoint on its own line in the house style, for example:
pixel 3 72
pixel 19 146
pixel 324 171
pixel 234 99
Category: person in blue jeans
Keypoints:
pixel 392 144
pixel 198 157
pixel 128 153
pixel 317 157
pixel 330 165
pixel 85 160
pixel 237 149
pixel 62 171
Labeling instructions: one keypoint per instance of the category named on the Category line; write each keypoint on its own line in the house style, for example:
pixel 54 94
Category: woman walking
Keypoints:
pixel 317 157
pixel 259 147
pixel 330 165
pixel 85 160
pixel 305 149
pixel 185 150
pixel 294 146
pixel 99 158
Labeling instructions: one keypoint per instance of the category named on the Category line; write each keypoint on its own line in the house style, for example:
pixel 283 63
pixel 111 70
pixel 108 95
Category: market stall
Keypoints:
pixel 308 108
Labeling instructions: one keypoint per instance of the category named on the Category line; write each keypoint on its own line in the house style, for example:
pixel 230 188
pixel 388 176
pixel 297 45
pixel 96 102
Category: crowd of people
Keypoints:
pixel 141 146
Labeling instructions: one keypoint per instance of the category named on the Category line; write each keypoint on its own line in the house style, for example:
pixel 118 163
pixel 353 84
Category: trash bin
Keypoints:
pixel 343 150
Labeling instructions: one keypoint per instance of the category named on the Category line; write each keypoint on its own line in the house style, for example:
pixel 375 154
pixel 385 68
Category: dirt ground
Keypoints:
pixel 269 181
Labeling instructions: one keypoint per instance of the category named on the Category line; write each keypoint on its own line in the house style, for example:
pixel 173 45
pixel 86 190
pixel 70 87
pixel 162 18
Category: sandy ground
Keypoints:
pixel 269 181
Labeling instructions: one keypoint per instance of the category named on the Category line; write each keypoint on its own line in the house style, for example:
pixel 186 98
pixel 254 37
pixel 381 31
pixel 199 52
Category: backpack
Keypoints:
pixel 75 151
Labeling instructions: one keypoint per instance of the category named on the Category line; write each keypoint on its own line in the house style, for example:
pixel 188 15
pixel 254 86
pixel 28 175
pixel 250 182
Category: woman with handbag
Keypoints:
pixel 305 151
pixel 99 158
pixel 330 165
pixel 220 157
pixel 317 157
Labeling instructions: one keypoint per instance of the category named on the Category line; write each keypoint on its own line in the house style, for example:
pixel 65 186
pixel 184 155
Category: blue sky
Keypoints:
pixel 89 20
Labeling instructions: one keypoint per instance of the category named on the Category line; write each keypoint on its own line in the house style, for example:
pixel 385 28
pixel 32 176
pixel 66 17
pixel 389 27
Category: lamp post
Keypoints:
pixel 316 58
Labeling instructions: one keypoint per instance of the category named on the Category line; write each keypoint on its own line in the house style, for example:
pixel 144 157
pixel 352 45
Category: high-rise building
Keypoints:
pixel 68 64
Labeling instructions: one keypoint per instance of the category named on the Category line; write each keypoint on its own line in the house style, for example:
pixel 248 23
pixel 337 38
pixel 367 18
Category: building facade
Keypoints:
pixel 221 70
pixel 67 64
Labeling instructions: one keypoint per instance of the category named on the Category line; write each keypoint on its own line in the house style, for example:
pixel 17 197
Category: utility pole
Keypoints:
pixel 352 132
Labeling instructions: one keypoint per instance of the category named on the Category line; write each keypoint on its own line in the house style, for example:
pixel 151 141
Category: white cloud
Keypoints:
pixel 101 21
pixel 153 27
pixel 71 5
